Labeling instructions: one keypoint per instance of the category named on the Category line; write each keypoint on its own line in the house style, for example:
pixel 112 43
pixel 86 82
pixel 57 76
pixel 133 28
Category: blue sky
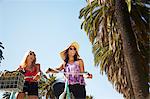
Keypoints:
pixel 47 27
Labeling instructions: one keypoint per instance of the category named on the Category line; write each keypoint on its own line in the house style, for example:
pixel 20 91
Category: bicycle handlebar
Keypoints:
pixel 85 74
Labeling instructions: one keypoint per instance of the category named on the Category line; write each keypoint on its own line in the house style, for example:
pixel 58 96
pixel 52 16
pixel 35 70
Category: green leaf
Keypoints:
pixel 129 5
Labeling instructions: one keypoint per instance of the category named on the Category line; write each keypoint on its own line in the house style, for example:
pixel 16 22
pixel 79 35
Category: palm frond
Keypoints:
pixel 1 53
pixel 45 87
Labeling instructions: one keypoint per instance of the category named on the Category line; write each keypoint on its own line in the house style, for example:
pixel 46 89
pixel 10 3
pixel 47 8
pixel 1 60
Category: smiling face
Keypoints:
pixel 71 51
pixel 30 58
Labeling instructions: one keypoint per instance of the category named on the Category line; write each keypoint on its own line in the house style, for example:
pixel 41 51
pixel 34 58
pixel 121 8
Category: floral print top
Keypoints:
pixel 72 74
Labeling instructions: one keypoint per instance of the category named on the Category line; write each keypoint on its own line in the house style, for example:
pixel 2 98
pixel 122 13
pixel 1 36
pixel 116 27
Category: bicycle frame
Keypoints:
pixel 66 91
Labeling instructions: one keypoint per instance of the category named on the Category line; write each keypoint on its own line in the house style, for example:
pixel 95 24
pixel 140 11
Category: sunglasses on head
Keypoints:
pixel 72 48
pixel 31 53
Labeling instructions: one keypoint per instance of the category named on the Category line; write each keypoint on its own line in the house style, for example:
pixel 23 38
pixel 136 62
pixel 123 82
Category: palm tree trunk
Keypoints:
pixel 129 82
pixel 133 58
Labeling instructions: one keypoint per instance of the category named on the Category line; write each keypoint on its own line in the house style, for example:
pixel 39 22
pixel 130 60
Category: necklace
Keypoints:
pixel 30 67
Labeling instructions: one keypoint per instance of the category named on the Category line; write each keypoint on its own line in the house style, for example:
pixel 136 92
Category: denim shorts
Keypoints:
pixel 31 88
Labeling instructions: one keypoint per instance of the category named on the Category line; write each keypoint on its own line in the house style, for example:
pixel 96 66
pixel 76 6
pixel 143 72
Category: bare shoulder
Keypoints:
pixel 37 65
pixel 80 61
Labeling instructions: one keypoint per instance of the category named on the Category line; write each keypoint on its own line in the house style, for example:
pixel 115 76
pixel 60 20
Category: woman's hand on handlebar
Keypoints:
pixel 21 70
pixel 88 75
pixel 50 70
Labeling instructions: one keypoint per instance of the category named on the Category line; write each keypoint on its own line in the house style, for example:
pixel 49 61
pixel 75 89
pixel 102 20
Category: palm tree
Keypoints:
pixel 1 53
pixel 45 87
pixel 120 42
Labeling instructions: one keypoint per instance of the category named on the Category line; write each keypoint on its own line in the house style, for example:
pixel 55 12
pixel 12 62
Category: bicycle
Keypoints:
pixel 13 82
pixel 66 94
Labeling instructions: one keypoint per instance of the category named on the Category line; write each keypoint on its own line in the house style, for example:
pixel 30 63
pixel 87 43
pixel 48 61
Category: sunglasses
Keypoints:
pixel 72 48
pixel 31 53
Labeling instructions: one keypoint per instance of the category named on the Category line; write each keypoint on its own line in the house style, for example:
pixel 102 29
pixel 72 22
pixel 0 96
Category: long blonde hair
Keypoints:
pixel 23 63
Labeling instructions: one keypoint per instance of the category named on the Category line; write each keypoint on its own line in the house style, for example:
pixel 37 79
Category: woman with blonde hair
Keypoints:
pixel 31 71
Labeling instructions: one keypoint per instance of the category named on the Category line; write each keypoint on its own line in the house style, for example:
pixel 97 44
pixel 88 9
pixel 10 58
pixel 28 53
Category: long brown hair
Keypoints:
pixel 76 56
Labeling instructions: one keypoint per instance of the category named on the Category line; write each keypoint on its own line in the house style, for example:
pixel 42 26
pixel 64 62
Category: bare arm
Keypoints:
pixel 81 65
pixel 61 67
pixel 38 68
